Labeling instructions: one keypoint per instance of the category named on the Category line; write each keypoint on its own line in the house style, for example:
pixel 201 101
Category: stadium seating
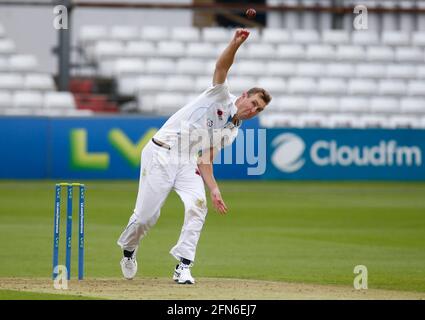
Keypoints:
pixel 24 90
pixel 333 78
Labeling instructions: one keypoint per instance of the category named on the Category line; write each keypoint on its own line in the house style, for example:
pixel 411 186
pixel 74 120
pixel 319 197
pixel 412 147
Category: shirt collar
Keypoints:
pixel 234 109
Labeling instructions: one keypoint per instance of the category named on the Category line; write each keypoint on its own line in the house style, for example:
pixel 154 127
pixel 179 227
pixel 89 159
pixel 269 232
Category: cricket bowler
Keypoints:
pixel 167 163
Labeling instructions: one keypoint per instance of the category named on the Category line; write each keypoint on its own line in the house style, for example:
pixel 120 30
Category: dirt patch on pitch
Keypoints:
pixel 204 289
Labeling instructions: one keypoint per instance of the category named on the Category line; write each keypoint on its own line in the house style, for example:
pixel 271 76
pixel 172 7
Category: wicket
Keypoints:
pixel 56 228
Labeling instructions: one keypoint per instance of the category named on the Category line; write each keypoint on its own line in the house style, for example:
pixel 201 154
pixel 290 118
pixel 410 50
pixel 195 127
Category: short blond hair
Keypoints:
pixel 262 92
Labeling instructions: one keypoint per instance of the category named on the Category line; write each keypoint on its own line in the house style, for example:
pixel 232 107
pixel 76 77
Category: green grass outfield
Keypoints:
pixel 307 232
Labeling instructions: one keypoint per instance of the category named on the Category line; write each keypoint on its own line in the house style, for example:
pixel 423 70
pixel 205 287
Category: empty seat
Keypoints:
pixel 39 81
pixel 160 66
pixel 91 33
pixel 263 51
pixel 250 68
pixel 302 85
pixel 332 86
pixel 310 69
pixel 23 62
pixel 171 49
pixel 343 121
pixel 238 85
pixel 409 55
pixel 305 36
pixel 11 81
pixel 412 105
pixel 395 38
pixel 7 46
pixel 286 121
pixel 62 100
pixel 384 105
pixel 279 120
pixel 44 112
pixel 416 88
pixel 4 65
pixel 420 72
pixel 311 120
pixel 380 54
pixel 275 85
pixel 335 36
pixel 365 37
pixel 401 121
pixel 168 103
pixel 146 103
pixel 186 34
pixel 179 83
pixel 370 71
pixel 401 71
pixel 216 34
pixel 340 70
pixel 27 99
pixel 418 38
pixel 289 103
pixel 140 49
pixel 201 50
pixel 275 35
pixel 392 87
pixel 17 111
pixel 323 104
pixel 191 66
pixel 362 87
pixel 154 33
pixel 124 33
pixel 77 113
pixel 127 85
pixel 281 69
pixel 373 121
pixel 104 49
pixel 354 105
pixel 320 52
pixel 350 53
pixel 128 65
pixel 290 51
pixel 150 83
pixel 6 100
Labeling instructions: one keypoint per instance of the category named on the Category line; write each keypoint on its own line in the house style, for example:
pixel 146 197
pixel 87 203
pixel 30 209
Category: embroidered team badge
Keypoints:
pixel 210 123
pixel 220 114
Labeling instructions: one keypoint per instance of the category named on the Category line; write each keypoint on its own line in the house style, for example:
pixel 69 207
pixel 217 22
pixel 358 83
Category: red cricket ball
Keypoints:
pixel 251 13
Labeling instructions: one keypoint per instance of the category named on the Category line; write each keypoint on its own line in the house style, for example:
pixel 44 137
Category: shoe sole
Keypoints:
pixel 186 282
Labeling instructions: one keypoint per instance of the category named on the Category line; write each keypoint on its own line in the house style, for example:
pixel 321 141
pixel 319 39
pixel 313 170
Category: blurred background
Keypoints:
pixel 133 63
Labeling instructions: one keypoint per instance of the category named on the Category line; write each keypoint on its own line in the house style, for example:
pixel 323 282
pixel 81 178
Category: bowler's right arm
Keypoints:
pixel 225 60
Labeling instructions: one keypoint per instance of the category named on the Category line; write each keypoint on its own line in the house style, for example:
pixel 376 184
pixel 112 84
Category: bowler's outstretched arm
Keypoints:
pixel 226 59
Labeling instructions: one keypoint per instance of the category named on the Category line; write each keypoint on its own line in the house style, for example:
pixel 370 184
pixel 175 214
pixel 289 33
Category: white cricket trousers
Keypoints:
pixel 158 176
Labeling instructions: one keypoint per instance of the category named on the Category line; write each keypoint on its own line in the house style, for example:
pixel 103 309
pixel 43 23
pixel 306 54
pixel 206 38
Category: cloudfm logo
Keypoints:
pixel 289 149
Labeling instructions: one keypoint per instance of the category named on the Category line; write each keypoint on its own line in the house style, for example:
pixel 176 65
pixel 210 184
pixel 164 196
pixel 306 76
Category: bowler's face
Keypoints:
pixel 249 107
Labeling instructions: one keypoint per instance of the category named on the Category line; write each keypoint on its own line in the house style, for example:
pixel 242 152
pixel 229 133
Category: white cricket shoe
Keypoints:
pixel 129 267
pixel 182 274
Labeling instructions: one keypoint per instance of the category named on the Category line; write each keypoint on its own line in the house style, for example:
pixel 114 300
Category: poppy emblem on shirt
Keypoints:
pixel 210 123
pixel 220 114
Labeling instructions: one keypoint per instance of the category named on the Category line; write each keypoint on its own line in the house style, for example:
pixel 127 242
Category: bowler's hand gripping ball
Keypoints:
pixel 250 13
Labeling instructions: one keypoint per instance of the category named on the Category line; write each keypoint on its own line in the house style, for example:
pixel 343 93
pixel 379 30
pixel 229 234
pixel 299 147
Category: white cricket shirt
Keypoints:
pixel 210 113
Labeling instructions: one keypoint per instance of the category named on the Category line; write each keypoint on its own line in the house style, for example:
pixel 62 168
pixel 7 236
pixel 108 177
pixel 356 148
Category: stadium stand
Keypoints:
pixel 26 91
pixel 317 76
pixel 333 78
